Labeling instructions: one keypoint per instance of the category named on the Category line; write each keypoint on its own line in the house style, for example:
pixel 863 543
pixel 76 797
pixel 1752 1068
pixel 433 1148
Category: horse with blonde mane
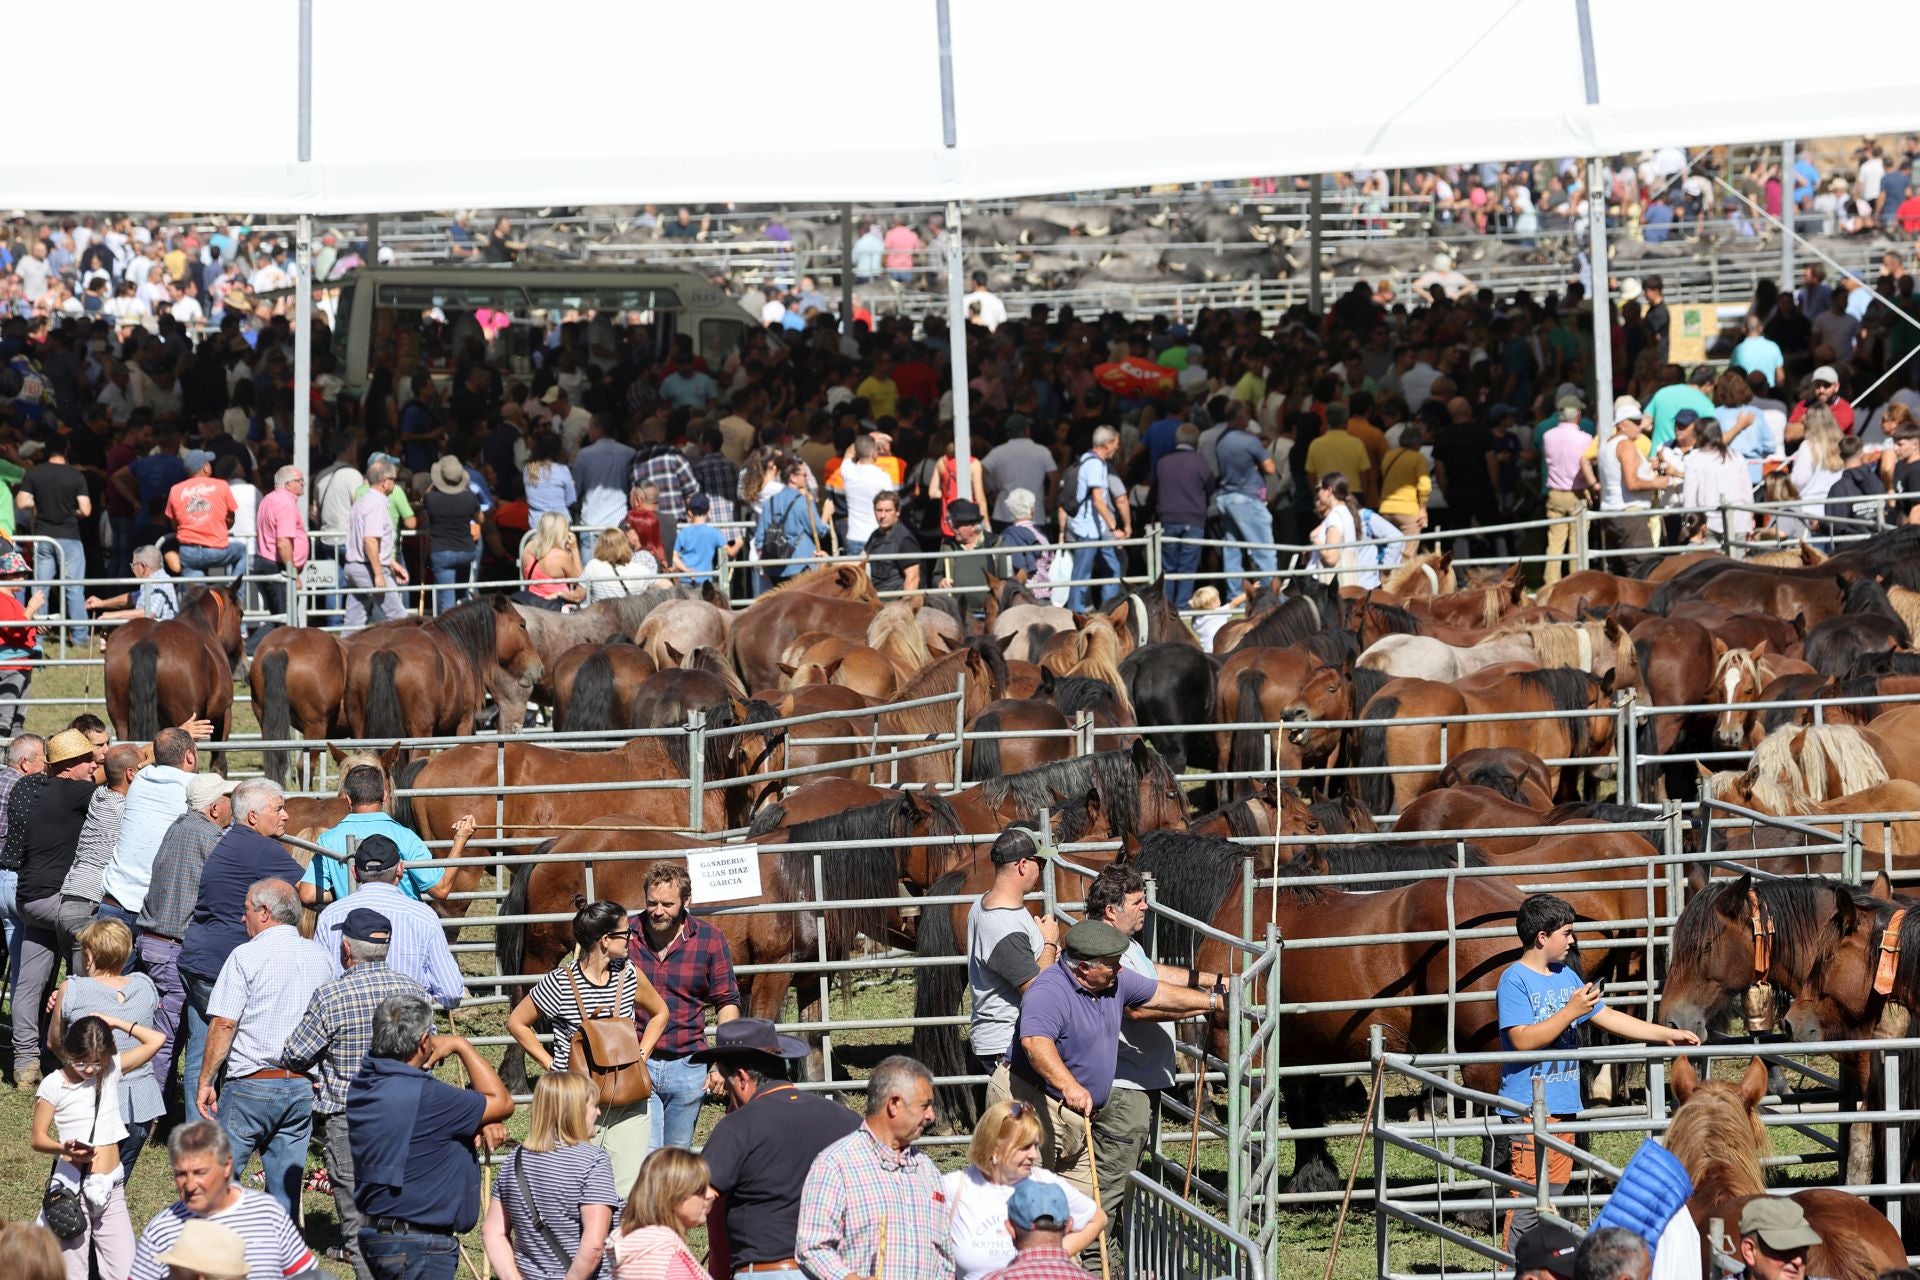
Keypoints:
pixel 1717 1134
pixel 1094 651
pixel 1821 762
pixel 1427 574
pixel 895 634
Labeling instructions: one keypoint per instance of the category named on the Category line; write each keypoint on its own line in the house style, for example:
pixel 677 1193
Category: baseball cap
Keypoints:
pixel 376 853
pixel 1033 1202
pixel 1685 417
pixel 196 459
pixel 553 393
pixel 1780 1223
pixel 699 504
pixel 1016 843
pixel 364 924
pixel 1568 391
pixel 1546 1248
pixel 750 1035
pixel 1826 374
pixel 204 788
pixel 1626 409
pixel 1095 940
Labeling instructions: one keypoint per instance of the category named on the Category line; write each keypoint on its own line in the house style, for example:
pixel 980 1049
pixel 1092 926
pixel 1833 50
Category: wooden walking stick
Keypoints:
pixel 1093 1167
pixel 880 1254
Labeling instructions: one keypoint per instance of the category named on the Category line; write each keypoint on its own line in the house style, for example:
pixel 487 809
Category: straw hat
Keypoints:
pixel 210 1249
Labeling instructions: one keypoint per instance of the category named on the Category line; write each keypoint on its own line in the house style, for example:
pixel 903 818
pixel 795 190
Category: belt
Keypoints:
pixel 784 1264
pixel 402 1227
pixel 111 901
pixel 668 1055
pixel 164 937
pixel 272 1073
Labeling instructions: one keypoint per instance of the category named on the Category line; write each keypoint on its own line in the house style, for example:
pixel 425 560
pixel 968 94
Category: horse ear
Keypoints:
pixel 1753 1085
pixel 1613 628
pixel 674 656
pixel 1719 647
pixel 1142 755
pixel 1045 688
pixel 1800 624
pixel 391 756
pixel 1606 682
pixel 1845 915
pixel 1696 877
pixel 1683 1078
pixel 1882 889
pixel 1733 903
pixel 787 668
pixel 336 751
pixel 1705 772
pixel 1759 650
pixel 1005 642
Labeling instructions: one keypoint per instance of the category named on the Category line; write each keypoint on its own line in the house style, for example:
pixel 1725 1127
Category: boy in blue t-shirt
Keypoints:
pixel 696 547
pixel 1542 1002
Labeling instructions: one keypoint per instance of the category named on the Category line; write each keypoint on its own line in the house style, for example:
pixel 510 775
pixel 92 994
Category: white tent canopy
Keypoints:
pixel 491 104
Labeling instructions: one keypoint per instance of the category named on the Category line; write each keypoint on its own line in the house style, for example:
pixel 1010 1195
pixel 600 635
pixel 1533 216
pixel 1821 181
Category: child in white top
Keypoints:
pixel 76 1118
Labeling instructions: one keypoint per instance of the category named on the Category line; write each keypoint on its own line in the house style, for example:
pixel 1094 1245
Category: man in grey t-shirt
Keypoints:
pixel 1007 948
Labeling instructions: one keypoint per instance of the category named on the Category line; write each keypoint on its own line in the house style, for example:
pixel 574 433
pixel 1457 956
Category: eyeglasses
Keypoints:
pixel 1020 1110
pixel 621 933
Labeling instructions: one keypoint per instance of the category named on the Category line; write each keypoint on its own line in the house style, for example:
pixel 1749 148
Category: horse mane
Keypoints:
pixel 995 660
pixel 1798 555
pixel 470 626
pixel 860 871
pixel 1798 906
pixel 1906 604
pixel 1109 775
pixel 1558 644
pixel 1764 791
pixel 633 610
pixel 896 634
pixel 710 660
pixel 1719 1142
pixel 1409 571
pixel 1097 655
pixel 1337 648
pixel 1191 875
pixel 1372 858
pixel 1568 689
pixel 1598 810
pixel 1886 662
pixel 942 675
pixel 1892 556
pixel 1803 754
pixel 1242 822
pixel 1735 659
pixel 1288 623
pixel 1073 694
pixel 862 590
pixel 1392 619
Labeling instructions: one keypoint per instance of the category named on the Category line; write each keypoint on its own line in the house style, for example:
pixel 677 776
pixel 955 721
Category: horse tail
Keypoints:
pixel 983 754
pixel 936 995
pixel 1244 748
pixel 404 777
pixel 1369 747
pixel 510 940
pixel 383 698
pixel 591 707
pixel 1366 682
pixel 1037 636
pixel 143 692
pixel 276 718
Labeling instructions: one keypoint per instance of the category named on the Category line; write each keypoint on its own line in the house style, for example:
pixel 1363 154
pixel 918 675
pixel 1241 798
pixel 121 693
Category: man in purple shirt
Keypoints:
pixel 1067 1045
pixel 1569 476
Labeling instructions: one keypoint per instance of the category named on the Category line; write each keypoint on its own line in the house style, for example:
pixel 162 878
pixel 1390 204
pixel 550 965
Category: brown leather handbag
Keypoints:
pixel 606 1050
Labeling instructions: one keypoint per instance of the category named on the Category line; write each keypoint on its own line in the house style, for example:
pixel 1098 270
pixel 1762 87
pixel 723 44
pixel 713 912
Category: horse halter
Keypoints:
pixel 1889 954
pixel 1762 939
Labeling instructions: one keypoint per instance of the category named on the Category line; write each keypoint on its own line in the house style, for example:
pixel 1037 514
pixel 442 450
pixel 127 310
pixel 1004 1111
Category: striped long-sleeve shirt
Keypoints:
pixel 95 851
pixel 859 1183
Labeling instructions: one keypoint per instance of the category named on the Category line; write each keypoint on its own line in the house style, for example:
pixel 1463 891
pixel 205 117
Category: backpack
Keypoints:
pixel 1085 493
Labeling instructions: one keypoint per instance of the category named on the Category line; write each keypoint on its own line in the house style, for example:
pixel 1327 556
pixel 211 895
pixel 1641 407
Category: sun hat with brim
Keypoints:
pixel 208 1248
pixel 1780 1223
pixel 449 476
pixel 745 1036
pixel 67 746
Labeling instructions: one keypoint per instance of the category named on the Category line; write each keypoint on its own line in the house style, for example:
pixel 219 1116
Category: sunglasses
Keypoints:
pixel 1021 1110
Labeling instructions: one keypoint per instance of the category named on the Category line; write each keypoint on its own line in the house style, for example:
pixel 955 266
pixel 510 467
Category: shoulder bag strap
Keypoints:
pixel 533 1207
pixel 573 976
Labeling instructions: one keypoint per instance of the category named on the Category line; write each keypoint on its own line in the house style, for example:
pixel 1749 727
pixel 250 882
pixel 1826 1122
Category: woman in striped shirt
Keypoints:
pixel 603 981
pixel 553 1203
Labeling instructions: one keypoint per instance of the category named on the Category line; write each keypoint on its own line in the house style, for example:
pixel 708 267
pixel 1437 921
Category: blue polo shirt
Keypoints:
pixel 331 876
pixel 412 1143
pixel 218 924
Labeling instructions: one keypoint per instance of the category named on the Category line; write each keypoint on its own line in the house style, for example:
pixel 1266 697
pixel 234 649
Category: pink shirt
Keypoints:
pixel 280 517
pixel 901 244
pixel 1564 445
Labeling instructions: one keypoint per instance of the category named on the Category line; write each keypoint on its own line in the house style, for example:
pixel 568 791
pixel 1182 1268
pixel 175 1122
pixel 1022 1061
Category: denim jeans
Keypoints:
pixel 273 584
pixel 1177 558
pixel 1248 520
pixel 159 957
pixel 225 562
pixel 70 560
pixel 13 708
pixel 199 991
pixel 131 919
pixel 273 1118
pixel 409 1257
pixel 450 567
pixel 679 1087
pixel 792 1273
pixel 120 563
pixel 39 959
pixel 1090 561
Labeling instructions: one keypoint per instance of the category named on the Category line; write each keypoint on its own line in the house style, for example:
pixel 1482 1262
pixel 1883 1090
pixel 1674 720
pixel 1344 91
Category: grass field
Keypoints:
pixel 1304 1237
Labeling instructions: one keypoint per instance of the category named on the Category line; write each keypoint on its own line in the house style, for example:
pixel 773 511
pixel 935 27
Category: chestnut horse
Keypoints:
pixel 838 599
pixel 1039 731
pixel 299 681
pixel 1261 685
pixel 594 685
pixel 1716 1133
pixel 1520 776
pixel 430 680
pixel 177 669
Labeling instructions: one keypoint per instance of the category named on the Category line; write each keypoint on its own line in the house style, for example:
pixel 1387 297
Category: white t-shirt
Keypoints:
pixel 862 482
pixel 980 1240
pixel 73 1104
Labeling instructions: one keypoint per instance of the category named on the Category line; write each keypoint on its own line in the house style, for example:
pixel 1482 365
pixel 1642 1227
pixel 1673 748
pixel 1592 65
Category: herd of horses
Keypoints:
pixel 826 722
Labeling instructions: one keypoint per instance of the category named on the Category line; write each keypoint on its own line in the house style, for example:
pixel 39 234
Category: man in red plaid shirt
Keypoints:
pixel 688 963
pixel 1037 1219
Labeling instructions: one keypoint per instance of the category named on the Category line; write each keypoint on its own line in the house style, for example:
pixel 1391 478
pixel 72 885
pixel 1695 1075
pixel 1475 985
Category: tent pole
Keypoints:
pixel 957 342
pixel 1316 215
pixel 846 270
pixel 1787 211
pixel 303 346
pixel 1597 263
pixel 372 257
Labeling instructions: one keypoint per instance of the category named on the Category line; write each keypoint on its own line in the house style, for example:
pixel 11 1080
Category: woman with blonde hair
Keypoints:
pixel 670 1199
pixel 553 1199
pixel 105 990
pixel 32 1252
pixel 550 562
pixel 617 569
pixel 1005 1152
pixel 1816 464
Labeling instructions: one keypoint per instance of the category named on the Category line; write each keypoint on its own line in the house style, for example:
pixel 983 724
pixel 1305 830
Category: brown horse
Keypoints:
pixel 982 671
pixel 817 657
pixel 1486 692
pixel 1593 589
pixel 1471 808
pixel 594 685
pixel 299 681
pixel 1259 685
pixel 1717 1134
pixel 1040 735
pixel 801 746
pixel 1520 776
pixel 1203 879
pixel 430 680
pixel 178 669
pixel 1256 817
pixel 838 599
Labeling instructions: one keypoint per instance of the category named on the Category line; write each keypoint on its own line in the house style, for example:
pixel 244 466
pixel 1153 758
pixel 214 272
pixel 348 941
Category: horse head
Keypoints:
pixel 1842 996
pixel 1163 805
pixel 1714 954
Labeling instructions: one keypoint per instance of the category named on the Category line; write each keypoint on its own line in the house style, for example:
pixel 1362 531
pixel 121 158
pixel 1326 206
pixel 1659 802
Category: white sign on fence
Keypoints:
pixel 725 875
